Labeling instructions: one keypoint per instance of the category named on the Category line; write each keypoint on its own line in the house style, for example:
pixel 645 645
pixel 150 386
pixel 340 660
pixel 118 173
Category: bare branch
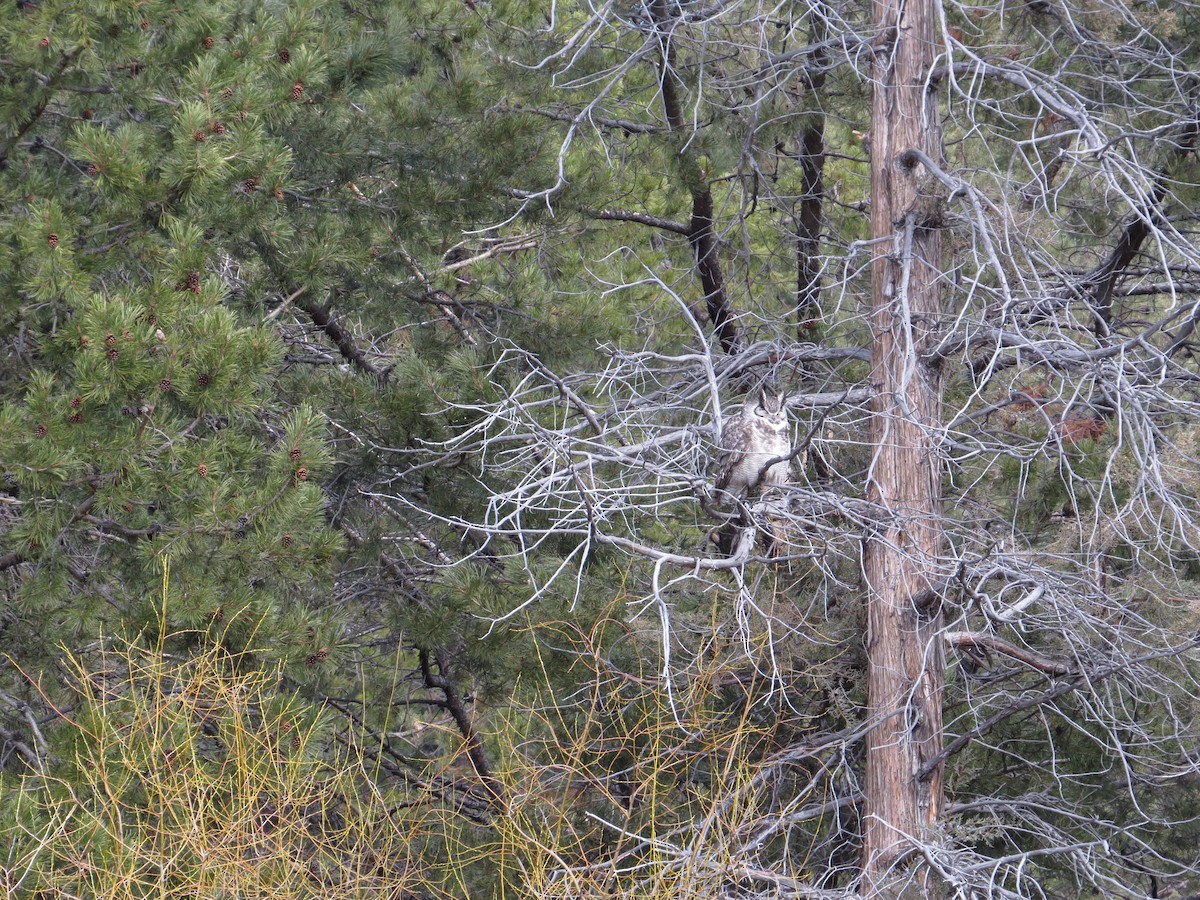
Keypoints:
pixel 976 643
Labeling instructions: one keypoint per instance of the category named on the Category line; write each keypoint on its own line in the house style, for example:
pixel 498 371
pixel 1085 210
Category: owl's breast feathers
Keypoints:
pixel 768 472
pixel 751 457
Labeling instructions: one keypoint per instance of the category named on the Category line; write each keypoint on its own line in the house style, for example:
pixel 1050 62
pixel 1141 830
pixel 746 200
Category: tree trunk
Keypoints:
pixel 702 233
pixel 902 555
pixel 811 159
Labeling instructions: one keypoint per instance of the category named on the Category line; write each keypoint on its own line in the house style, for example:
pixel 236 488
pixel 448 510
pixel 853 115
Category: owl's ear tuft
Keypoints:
pixel 769 400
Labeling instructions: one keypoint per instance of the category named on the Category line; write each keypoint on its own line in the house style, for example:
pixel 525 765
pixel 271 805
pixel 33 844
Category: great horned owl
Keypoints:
pixel 750 441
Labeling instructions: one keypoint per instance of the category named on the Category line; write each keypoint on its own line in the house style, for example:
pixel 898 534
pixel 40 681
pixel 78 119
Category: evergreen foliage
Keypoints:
pixel 404 331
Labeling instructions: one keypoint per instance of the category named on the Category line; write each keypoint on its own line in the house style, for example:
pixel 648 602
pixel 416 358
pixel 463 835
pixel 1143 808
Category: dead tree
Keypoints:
pixel 902 556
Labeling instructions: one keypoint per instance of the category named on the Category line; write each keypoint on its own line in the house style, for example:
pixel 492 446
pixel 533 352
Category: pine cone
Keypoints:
pixel 52 240
pixel 297 90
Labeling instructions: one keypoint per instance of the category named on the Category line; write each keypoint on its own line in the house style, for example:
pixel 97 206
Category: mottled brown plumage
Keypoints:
pixel 750 441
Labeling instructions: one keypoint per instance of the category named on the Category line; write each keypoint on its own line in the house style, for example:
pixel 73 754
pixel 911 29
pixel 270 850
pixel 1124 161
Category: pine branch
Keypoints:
pixel 625 215
pixel 624 125
pixel 1101 282
pixel 442 681
pixel 320 313
pixel 35 114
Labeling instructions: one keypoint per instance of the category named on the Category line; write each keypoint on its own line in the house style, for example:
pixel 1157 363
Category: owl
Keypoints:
pixel 750 440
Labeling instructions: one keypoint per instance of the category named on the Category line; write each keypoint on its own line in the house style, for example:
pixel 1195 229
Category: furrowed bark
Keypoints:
pixel 906 659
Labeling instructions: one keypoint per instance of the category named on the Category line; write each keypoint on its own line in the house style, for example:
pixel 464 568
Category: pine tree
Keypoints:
pixel 225 227
pixel 142 416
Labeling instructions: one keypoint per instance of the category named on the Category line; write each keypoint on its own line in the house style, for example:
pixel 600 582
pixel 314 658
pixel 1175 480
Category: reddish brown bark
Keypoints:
pixel 903 795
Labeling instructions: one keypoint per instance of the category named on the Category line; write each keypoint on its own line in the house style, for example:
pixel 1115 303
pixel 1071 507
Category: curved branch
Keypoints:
pixel 977 642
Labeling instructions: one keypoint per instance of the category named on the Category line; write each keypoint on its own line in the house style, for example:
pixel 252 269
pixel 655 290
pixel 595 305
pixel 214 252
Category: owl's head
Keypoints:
pixel 767 405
